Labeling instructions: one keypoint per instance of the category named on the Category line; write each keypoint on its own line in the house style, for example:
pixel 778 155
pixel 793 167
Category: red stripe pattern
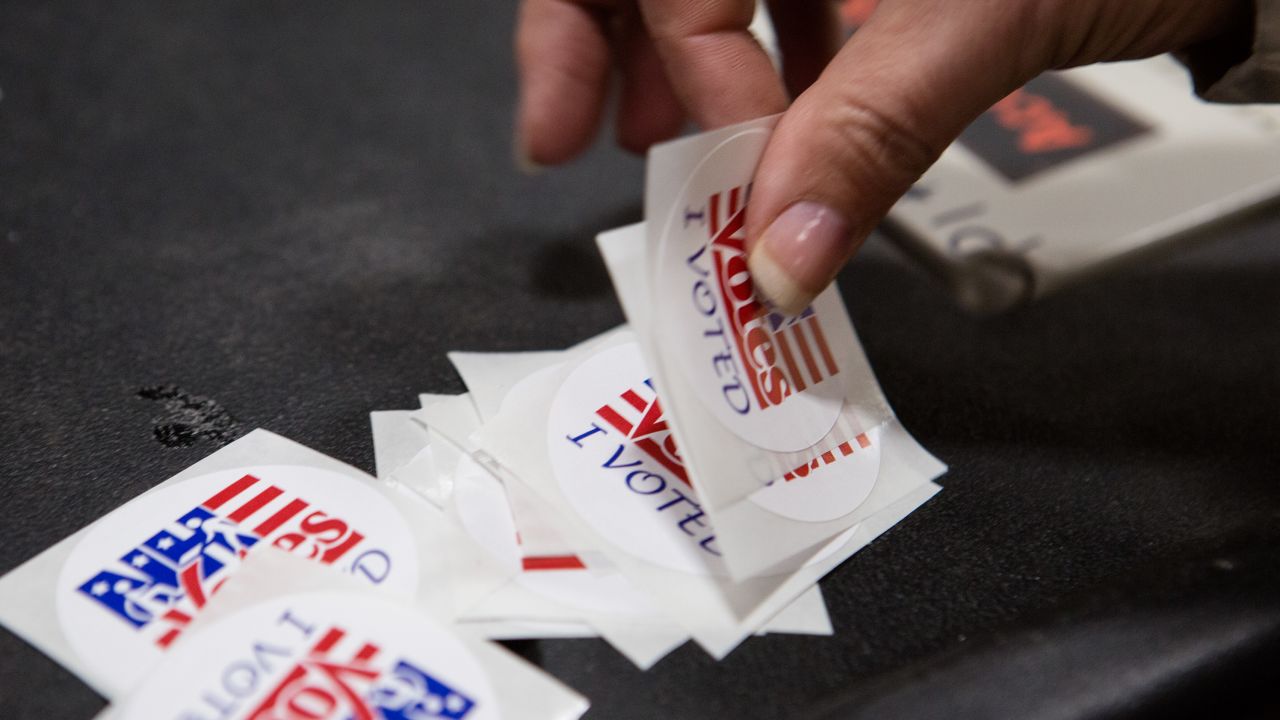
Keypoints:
pixel 781 356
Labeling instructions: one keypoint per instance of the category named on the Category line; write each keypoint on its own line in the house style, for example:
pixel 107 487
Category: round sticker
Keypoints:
pixel 615 460
pixel 319 655
pixel 829 487
pixel 771 380
pixel 486 515
pixel 142 573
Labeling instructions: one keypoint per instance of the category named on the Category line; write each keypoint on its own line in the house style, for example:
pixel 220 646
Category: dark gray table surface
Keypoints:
pixel 291 211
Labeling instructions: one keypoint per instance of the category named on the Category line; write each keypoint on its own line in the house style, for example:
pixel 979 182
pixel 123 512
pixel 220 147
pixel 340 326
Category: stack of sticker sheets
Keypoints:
pixel 689 476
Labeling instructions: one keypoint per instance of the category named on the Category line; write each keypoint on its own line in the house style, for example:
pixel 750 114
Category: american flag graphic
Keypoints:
pixel 829 457
pixel 800 344
pixel 340 678
pixel 805 355
pixel 638 416
pixel 159 585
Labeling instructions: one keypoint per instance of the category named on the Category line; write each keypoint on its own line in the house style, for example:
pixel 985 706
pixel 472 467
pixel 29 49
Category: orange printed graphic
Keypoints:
pixel 1041 127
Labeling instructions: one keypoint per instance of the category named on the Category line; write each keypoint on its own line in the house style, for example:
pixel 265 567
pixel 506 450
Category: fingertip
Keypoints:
pixel 563 59
pixel 895 97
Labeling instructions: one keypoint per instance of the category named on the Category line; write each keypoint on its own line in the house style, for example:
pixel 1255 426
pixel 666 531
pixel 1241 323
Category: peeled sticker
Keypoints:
pixel 776 524
pixel 484 516
pixel 754 398
pixel 773 381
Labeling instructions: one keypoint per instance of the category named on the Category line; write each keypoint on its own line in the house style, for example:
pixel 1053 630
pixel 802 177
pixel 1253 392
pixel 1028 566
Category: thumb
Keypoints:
pixel 896 95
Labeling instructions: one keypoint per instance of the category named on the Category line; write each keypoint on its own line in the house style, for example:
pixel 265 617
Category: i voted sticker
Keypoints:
pixel 320 655
pixel 771 380
pixel 141 574
pixel 615 460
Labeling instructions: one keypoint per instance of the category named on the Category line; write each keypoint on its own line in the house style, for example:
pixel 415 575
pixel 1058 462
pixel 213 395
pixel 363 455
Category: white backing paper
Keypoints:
pixel 396 440
pixel 629 528
pixel 807 615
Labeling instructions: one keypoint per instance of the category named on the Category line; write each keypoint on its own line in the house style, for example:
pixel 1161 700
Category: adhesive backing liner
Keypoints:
pixel 778 525
pixel 286 637
pixel 754 393
pixel 397 440
pixel 107 601
pixel 419 474
pixel 398 434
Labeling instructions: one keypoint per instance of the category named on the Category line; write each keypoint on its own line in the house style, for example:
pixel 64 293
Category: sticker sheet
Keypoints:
pixel 578 579
pixel 616 500
pixel 289 638
pixel 753 399
pixel 109 601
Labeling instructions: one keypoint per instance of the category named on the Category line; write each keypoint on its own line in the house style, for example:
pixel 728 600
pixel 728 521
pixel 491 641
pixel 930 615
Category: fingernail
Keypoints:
pixel 797 255
pixel 524 163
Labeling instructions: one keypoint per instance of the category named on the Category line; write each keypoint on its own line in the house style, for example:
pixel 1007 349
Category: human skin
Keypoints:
pixel 868 118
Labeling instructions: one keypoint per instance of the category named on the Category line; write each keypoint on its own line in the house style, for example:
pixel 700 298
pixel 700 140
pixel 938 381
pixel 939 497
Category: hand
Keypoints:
pixel 869 118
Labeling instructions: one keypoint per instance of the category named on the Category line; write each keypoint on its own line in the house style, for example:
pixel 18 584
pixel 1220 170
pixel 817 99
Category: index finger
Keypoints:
pixel 718 70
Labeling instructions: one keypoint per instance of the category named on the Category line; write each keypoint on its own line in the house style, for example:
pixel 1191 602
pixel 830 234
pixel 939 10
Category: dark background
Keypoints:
pixel 282 215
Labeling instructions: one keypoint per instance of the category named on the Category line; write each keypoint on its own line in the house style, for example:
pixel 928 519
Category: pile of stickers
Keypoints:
pixel 557 498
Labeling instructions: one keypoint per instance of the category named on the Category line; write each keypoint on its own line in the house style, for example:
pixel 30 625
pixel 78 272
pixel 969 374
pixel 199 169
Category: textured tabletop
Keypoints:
pixel 224 216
